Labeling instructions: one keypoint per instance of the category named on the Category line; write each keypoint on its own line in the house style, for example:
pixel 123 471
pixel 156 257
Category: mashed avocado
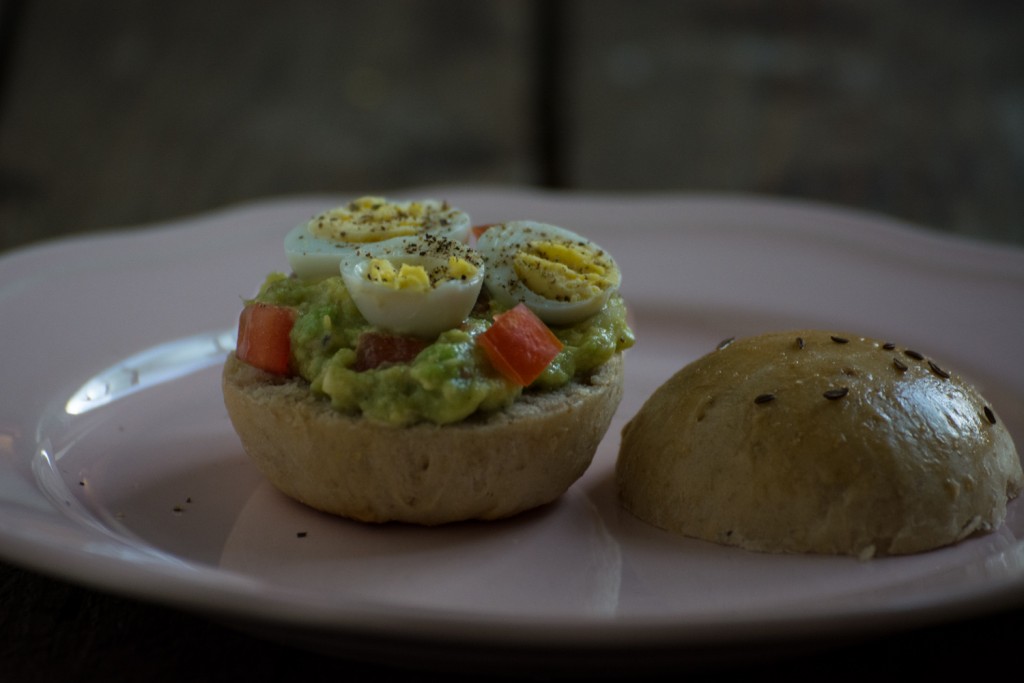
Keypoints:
pixel 448 380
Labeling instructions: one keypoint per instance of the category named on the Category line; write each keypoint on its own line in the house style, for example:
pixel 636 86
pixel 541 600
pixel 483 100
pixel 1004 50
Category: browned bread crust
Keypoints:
pixel 486 467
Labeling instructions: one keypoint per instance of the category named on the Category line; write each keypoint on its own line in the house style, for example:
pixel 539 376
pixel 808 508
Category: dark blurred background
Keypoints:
pixel 120 112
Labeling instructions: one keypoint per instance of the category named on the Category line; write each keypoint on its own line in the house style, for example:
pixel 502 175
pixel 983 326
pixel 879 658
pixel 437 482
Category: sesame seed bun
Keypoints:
pixel 486 467
pixel 810 441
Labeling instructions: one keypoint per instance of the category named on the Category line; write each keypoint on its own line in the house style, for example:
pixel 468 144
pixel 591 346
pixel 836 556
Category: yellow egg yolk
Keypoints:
pixel 460 269
pixel 415 277
pixel 370 219
pixel 562 271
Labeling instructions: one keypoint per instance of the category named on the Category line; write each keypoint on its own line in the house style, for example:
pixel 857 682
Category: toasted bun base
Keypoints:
pixel 482 468
pixel 906 461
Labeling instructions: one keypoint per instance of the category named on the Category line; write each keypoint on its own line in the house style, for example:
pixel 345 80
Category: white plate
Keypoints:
pixel 119 469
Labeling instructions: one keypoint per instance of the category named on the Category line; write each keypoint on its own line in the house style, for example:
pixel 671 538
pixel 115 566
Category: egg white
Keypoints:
pixel 443 306
pixel 311 256
pixel 500 244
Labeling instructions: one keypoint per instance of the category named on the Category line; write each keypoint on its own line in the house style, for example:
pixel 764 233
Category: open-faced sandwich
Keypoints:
pixel 813 441
pixel 398 373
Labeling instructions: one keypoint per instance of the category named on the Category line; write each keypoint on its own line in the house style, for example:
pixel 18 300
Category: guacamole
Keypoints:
pixel 447 379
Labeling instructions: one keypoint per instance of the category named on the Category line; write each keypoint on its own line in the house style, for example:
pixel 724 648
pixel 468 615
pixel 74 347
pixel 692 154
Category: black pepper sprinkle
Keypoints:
pixel 834 394
pixel 301 534
pixel 764 398
pixel 938 371
pixel 840 340
pixel 900 365
pixel 725 342
pixel 913 354
pixel 799 342
pixel 989 415
pixel 888 346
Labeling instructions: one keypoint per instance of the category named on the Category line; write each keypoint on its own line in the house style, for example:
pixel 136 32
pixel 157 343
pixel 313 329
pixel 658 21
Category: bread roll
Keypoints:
pixel 486 467
pixel 815 442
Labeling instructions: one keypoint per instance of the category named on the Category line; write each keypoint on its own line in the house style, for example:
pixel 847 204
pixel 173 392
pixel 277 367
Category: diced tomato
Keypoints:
pixel 374 349
pixel 264 337
pixel 520 345
pixel 478 230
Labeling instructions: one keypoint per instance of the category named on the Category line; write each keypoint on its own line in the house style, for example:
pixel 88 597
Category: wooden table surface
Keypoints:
pixel 118 113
